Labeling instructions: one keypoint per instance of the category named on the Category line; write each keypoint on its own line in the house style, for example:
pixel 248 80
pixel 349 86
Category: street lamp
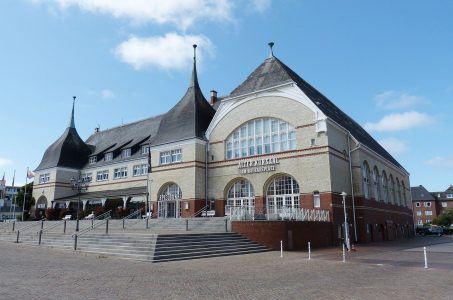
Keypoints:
pixel 346 227
pixel 78 184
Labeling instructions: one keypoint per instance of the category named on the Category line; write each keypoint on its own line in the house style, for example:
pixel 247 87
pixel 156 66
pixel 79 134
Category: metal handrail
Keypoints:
pixel 51 227
pixel 103 215
pixel 138 212
pixel 38 222
pixel 96 225
pixel 198 212
pixel 6 224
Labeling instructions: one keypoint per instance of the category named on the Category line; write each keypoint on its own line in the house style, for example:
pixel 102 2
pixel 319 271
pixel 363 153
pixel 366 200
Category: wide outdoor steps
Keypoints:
pixel 171 247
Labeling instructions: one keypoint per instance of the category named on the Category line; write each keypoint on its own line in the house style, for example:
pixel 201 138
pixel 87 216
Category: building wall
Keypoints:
pixel 421 209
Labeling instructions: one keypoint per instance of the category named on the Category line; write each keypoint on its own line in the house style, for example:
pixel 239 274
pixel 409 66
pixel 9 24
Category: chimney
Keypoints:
pixel 96 129
pixel 213 97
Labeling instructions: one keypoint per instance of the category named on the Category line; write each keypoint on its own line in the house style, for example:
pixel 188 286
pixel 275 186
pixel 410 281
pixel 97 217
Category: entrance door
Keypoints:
pixel 171 209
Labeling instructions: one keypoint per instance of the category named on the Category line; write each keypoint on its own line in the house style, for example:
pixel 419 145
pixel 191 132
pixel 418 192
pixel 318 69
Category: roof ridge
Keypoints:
pixel 127 124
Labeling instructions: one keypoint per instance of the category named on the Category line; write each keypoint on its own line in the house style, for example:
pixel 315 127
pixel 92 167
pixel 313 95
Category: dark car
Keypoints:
pixel 432 230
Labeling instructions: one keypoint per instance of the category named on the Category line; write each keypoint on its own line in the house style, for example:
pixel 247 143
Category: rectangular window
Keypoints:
pixel 427 204
pixel 417 204
pixel 419 213
pixel 108 156
pixel 138 170
pixel 120 173
pixel 444 204
pixel 87 177
pixel 126 153
pixel 168 157
pixel 420 222
pixel 229 150
pixel 450 196
pixel 92 160
pixel 145 149
pixel 102 175
pixel 44 178
pixel 428 213
pixel 316 200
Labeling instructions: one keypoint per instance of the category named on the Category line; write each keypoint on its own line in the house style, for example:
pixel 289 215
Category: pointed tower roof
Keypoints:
pixel 68 151
pixel 189 118
pixel 273 72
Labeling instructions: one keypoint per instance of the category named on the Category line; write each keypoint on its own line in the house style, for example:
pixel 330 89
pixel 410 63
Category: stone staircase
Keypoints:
pixel 164 240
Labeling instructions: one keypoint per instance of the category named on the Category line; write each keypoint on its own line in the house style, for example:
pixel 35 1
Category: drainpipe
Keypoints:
pixel 352 185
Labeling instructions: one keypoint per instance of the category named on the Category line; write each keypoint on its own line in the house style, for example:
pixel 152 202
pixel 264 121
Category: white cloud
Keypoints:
pixel 107 94
pixel 398 100
pixel 5 162
pixel 394 145
pixel 172 51
pixel 183 14
pixel 261 5
pixel 441 162
pixel 400 121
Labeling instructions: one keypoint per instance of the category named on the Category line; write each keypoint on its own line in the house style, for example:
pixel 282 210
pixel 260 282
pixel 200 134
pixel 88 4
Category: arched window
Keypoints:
pixel 240 194
pixel 366 180
pixel 392 190
pixel 403 187
pixel 260 136
pixel 169 201
pixel 376 184
pixel 385 187
pixel 398 192
pixel 283 192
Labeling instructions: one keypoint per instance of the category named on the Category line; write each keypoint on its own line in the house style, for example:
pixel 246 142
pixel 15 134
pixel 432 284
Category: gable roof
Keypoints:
pixel 420 193
pixel 272 72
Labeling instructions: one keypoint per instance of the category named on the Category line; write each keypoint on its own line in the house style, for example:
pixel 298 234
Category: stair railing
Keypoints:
pixel 41 231
pixel 28 227
pixel 199 211
pixel 105 221
pixel 136 213
pixel 106 215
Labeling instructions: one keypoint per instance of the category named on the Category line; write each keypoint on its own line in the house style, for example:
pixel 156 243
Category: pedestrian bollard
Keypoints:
pixel 187 225
pixel 344 255
pixel 426 258
pixel 42 224
pixel 64 226
pixel 75 242
pixel 226 225
pixel 14 226
pixel 281 248
pixel 17 237
pixel 92 222
pixel 147 222
pixel 309 251
pixel 123 223
pixel 40 235
pixel 107 226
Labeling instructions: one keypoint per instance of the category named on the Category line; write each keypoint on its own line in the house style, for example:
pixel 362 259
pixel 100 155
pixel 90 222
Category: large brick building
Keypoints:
pixel 271 148
pixel 428 205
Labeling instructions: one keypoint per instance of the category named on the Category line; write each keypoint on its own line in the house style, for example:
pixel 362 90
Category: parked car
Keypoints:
pixel 431 230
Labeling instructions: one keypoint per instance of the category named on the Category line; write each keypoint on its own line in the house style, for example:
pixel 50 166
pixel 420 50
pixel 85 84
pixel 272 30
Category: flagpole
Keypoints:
pixel 25 193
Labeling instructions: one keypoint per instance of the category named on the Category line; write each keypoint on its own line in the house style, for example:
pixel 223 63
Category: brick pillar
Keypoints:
pixel 260 205
pixel 219 205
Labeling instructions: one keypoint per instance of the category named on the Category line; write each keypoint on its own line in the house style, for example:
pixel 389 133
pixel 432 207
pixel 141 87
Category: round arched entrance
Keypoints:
pixel 168 204
pixel 282 196
pixel 41 206
pixel 241 195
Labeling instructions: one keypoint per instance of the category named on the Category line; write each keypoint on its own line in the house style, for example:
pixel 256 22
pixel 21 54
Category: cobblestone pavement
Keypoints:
pixel 380 271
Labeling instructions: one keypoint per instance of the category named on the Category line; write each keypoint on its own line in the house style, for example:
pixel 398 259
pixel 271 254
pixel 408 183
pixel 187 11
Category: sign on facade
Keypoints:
pixel 258 165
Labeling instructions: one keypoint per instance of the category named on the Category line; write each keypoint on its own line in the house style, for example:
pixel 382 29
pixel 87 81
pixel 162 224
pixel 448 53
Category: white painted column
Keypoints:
pixel 125 201
pixel 67 203
pixel 84 204
pixel 103 201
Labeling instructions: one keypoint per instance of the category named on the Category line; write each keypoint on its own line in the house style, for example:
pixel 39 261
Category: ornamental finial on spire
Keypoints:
pixel 71 121
pixel 194 79
pixel 271 46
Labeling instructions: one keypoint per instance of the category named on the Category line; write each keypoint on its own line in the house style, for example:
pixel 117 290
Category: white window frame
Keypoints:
pixel 170 156
pixel 417 204
pixel 419 213
pixel 260 136
pixel 86 177
pixel 145 150
pixel 138 170
pixel 427 204
pixel 366 180
pixel 444 204
pixel 44 178
pixel 92 160
pixel 119 173
pixel 125 153
pixel 316 200
pixel 449 196
pixel 428 212
pixel 102 175
pixel 108 156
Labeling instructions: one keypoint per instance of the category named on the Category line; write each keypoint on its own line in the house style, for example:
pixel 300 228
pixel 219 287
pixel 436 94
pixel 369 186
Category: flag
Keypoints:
pixel 30 174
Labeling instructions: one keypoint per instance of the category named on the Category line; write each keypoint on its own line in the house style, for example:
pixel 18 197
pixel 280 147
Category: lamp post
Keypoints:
pixel 346 227
pixel 78 184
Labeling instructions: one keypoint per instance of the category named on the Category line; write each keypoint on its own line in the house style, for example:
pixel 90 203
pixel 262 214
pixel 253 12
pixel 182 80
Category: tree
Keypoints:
pixel 29 200
pixel 445 219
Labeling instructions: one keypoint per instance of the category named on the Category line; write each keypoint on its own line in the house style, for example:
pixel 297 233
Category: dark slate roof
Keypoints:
pixel 419 193
pixel 135 191
pixel 131 135
pixel 189 118
pixel 68 151
pixel 272 72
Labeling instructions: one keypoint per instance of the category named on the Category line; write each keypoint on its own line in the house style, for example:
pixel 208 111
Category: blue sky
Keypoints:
pixel 388 64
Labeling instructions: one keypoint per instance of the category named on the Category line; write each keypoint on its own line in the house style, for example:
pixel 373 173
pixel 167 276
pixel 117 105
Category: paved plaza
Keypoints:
pixel 392 270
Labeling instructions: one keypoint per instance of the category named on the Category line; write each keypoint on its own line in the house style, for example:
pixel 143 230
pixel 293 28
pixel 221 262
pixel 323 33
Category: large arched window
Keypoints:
pixel 376 184
pixel 240 194
pixel 385 187
pixel 366 180
pixel 260 136
pixel 283 192
pixel 403 187
pixel 398 192
pixel 392 190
